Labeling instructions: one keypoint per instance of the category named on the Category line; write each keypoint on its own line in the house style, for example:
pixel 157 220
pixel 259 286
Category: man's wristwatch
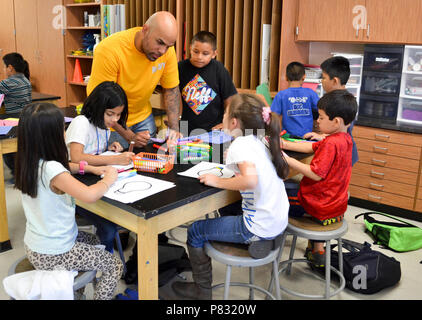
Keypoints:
pixel 82 165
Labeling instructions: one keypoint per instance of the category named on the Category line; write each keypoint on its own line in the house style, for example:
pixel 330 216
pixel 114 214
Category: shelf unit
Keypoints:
pixel 410 101
pixel 75 29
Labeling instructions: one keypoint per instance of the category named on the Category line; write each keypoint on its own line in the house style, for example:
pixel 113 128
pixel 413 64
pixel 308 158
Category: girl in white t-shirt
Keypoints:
pixel 259 172
pixel 43 175
pixel 88 134
pixel 87 137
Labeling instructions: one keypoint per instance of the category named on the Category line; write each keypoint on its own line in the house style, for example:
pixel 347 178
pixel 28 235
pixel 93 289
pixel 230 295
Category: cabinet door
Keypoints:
pixel 51 51
pixel 26 37
pixel 41 44
pixel 7 32
pixel 392 21
pixel 328 20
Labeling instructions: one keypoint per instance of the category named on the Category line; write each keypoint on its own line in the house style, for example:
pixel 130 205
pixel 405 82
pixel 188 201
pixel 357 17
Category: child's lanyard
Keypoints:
pixel 98 141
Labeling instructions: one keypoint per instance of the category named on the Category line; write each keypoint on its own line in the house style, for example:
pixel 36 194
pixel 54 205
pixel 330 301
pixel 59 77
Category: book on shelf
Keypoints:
pixel 114 19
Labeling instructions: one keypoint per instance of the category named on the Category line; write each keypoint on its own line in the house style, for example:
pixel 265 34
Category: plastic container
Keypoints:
pixel 413 85
pixel 412 59
pixel 313 71
pixel 411 111
pixel 152 162
pixel 187 153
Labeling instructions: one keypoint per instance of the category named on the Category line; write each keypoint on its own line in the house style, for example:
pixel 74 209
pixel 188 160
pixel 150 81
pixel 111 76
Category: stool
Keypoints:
pixel 81 280
pixel 305 227
pixel 235 254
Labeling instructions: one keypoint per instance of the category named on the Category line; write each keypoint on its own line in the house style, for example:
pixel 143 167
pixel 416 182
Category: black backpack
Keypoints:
pixel 172 260
pixel 365 270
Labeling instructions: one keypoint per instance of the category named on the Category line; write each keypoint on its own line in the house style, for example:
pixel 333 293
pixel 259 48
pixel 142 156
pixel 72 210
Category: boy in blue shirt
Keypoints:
pixel 296 105
pixel 335 74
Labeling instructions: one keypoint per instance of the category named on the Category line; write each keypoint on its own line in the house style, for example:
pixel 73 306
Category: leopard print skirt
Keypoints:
pixel 84 256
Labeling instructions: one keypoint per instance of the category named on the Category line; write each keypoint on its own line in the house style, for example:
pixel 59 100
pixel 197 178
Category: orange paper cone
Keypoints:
pixel 77 74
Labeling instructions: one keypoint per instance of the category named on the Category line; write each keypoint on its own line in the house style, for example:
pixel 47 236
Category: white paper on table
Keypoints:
pixel 204 167
pixel 136 188
pixel 118 167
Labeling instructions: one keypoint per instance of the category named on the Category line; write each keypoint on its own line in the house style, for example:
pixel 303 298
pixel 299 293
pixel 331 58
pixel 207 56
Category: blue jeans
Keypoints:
pixel 106 230
pixel 225 229
pixel 147 124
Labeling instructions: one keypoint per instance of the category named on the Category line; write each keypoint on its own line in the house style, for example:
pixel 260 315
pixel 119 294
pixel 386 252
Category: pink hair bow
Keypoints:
pixel 266 113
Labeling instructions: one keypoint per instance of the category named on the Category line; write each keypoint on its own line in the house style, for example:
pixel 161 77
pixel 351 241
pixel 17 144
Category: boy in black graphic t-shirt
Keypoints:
pixel 205 85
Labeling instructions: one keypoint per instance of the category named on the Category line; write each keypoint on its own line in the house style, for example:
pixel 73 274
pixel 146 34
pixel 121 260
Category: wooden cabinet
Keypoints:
pixel 327 20
pixel 372 21
pixel 392 21
pixel 7 32
pixel 388 169
pixel 75 29
pixel 418 203
pixel 41 44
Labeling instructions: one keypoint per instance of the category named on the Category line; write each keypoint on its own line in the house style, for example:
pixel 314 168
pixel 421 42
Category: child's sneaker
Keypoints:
pixel 316 258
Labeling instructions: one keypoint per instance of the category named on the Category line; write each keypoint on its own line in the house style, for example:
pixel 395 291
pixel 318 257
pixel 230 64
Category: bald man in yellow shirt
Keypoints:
pixel 139 59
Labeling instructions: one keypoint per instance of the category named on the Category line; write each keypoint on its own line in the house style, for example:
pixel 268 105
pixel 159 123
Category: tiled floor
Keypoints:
pixel 301 279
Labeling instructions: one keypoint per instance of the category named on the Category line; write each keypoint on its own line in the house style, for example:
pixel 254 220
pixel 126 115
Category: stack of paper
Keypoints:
pixel 9 122
pixel 203 167
pixel 136 188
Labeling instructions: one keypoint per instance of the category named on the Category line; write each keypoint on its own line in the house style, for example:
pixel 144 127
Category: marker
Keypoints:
pixel 120 171
pixel 123 170
pixel 127 174
pixel 205 146
pixel 159 147
pixel 132 144
pixel 282 133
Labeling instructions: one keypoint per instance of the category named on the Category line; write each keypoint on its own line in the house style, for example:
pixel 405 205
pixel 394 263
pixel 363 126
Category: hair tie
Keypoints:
pixel 266 114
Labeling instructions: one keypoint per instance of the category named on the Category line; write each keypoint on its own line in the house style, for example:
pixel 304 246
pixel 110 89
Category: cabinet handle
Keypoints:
pixel 367 31
pixel 376 185
pixel 382 136
pixel 357 31
pixel 377 174
pixel 380 149
pixel 374 197
pixel 382 162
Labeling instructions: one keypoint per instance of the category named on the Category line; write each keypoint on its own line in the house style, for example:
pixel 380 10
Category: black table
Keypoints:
pixel 161 212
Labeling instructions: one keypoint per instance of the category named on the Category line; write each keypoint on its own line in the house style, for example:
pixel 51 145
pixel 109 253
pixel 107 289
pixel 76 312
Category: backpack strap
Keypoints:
pixel 352 246
pixel 373 220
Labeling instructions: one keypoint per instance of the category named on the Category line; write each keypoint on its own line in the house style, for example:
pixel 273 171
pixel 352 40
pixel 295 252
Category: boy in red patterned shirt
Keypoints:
pixel 323 191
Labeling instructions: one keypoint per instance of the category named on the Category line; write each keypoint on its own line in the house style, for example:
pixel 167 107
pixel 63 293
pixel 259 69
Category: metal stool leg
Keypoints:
pixel 292 252
pixel 280 253
pixel 276 280
pixel 327 269
pixel 340 255
pixel 227 283
pixel 120 249
pixel 251 281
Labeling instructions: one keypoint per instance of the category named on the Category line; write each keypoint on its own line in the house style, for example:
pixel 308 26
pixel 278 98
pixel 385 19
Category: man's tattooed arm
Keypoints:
pixel 172 104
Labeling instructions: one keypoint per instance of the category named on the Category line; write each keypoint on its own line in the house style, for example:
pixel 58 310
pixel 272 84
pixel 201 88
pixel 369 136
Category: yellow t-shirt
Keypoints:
pixel 116 59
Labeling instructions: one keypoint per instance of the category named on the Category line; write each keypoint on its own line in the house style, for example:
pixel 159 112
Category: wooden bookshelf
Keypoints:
pixel 73 37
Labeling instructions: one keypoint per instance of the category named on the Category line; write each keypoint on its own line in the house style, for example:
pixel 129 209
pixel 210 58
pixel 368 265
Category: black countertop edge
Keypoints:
pixel 138 210
pixel 382 125
pixel 383 208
